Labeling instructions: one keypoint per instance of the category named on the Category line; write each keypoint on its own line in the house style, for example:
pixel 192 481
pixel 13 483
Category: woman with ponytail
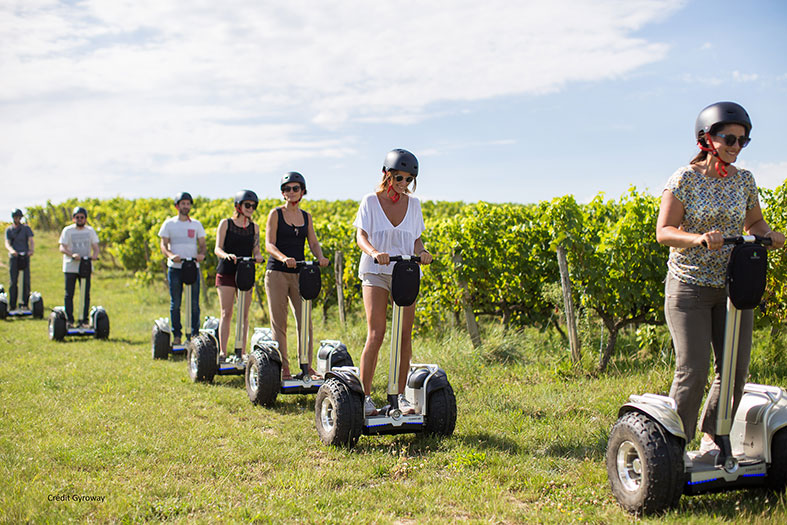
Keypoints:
pixel 236 237
pixel 389 222
pixel 701 204
pixel 286 233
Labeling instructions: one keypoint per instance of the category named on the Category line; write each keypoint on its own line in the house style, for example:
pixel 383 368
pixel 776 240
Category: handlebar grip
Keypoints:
pixel 741 239
pixel 397 258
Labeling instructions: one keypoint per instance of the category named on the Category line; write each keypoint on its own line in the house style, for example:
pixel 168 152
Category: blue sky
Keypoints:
pixel 501 101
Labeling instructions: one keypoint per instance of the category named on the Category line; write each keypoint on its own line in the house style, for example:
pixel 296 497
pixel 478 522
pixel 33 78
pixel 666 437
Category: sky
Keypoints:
pixel 500 101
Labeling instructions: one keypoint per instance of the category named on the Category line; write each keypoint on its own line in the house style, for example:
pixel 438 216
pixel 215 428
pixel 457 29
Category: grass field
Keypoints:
pixel 96 431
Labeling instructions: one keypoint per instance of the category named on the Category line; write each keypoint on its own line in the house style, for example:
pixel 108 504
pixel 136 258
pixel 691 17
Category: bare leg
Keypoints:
pixel 375 302
pixel 226 300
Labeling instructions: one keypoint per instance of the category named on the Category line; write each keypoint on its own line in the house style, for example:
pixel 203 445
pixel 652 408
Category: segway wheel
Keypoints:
pixel 263 379
pixel 338 414
pixel 644 465
pixel 57 326
pixel 159 343
pixel 102 325
pixel 441 412
pixel 201 352
pixel 3 310
pixel 38 308
pixel 777 473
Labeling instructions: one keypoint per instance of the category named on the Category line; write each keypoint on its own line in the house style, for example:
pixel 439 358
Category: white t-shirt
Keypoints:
pixel 182 237
pixel 399 240
pixel 79 241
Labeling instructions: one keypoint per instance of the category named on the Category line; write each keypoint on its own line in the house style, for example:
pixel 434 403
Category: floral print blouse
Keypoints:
pixel 710 204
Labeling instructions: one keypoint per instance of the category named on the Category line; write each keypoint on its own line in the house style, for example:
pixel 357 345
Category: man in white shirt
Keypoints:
pixel 77 240
pixel 182 238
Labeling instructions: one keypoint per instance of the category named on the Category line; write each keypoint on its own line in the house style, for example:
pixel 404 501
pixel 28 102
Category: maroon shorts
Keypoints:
pixel 223 279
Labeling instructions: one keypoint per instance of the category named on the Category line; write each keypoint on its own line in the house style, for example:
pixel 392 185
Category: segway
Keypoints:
pixel 203 356
pixel 161 338
pixel 263 369
pixel 646 465
pixel 97 323
pixel 338 409
pixel 36 309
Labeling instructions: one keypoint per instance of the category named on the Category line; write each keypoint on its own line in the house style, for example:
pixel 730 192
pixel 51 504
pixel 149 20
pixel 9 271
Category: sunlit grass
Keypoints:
pixel 88 418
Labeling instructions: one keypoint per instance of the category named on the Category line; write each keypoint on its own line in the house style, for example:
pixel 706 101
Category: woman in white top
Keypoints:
pixel 389 223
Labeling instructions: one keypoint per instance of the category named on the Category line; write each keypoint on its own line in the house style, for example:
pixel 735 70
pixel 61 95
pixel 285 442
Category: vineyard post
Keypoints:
pixel 467 305
pixel 338 269
pixel 565 284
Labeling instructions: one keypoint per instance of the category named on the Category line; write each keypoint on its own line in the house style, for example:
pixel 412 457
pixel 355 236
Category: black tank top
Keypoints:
pixel 239 241
pixel 289 240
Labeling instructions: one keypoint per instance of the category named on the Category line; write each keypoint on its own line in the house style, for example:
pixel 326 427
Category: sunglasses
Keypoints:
pixel 730 140
pixel 290 188
pixel 399 178
pixel 249 205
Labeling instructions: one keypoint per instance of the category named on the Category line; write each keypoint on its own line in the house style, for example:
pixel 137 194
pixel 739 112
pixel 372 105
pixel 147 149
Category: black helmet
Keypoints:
pixel 79 209
pixel 401 160
pixel 721 113
pixel 246 195
pixel 183 195
pixel 293 176
pixel 17 213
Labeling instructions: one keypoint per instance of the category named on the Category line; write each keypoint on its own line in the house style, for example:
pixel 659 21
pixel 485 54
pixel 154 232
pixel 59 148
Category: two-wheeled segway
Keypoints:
pixel 263 369
pixel 97 322
pixel 646 465
pixel 203 356
pixel 338 409
pixel 36 309
pixel 161 338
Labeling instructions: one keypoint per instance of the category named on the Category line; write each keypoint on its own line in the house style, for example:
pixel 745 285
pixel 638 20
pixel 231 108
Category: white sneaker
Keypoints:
pixel 368 407
pixel 404 405
pixel 707 452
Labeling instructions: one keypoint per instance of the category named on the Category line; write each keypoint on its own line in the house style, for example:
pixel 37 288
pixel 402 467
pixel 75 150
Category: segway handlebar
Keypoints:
pixel 301 264
pixel 397 258
pixel 741 239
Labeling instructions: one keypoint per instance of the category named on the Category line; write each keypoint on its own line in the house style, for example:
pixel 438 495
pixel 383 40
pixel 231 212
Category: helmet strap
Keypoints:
pixel 721 166
pixel 392 193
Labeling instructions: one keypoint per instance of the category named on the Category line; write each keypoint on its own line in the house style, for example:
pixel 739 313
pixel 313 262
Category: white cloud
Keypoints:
pixel 768 174
pixel 744 77
pixel 119 87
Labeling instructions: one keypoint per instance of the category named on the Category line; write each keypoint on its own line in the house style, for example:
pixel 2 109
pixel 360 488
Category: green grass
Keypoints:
pixel 101 418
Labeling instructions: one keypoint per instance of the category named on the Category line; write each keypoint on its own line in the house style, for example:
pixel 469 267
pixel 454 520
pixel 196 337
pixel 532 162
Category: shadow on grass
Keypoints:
pixel 487 441
pixel 731 505
pixel 592 450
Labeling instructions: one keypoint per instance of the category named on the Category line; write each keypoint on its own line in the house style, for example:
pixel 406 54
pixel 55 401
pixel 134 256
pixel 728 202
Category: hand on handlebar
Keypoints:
pixel 289 262
pixel 231 257
pixel 382 258
pixel 323 261
pixel 712 240
pixel 777 239
pixel 176 258
pixel 426 257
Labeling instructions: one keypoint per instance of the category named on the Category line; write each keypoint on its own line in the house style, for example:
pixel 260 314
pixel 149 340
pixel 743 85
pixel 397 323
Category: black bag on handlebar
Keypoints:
pixel 244 275
pixel 85 267
pixel 746 273
pixel 309 282
pixel 188 272
pixel 22 261
pixel 405 282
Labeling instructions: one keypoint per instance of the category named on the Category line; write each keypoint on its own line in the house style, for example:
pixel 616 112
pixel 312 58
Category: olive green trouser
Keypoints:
pixel 696 316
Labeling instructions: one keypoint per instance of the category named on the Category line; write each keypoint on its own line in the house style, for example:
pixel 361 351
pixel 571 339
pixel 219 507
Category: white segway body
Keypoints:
pixel 263 369
pixel 646 465
pixel 161 336
pixel 97 322
pixel 339 414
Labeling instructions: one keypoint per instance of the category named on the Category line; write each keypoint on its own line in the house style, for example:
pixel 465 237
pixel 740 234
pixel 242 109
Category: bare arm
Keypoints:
pixel 202 249
pixel 94 249
pixel 221 233
pixel 362 238
pixel 270 240
pixel 314 244
pixel 8 247
pixel 420 250
pixel 669 233
pixel 166 251
pixel 755 224
pixel 255 250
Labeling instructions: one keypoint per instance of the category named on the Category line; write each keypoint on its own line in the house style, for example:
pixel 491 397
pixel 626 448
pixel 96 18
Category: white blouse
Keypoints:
pixel 384 236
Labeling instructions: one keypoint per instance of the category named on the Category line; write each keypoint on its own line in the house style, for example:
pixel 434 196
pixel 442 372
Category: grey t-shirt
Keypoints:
pixel 18 237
